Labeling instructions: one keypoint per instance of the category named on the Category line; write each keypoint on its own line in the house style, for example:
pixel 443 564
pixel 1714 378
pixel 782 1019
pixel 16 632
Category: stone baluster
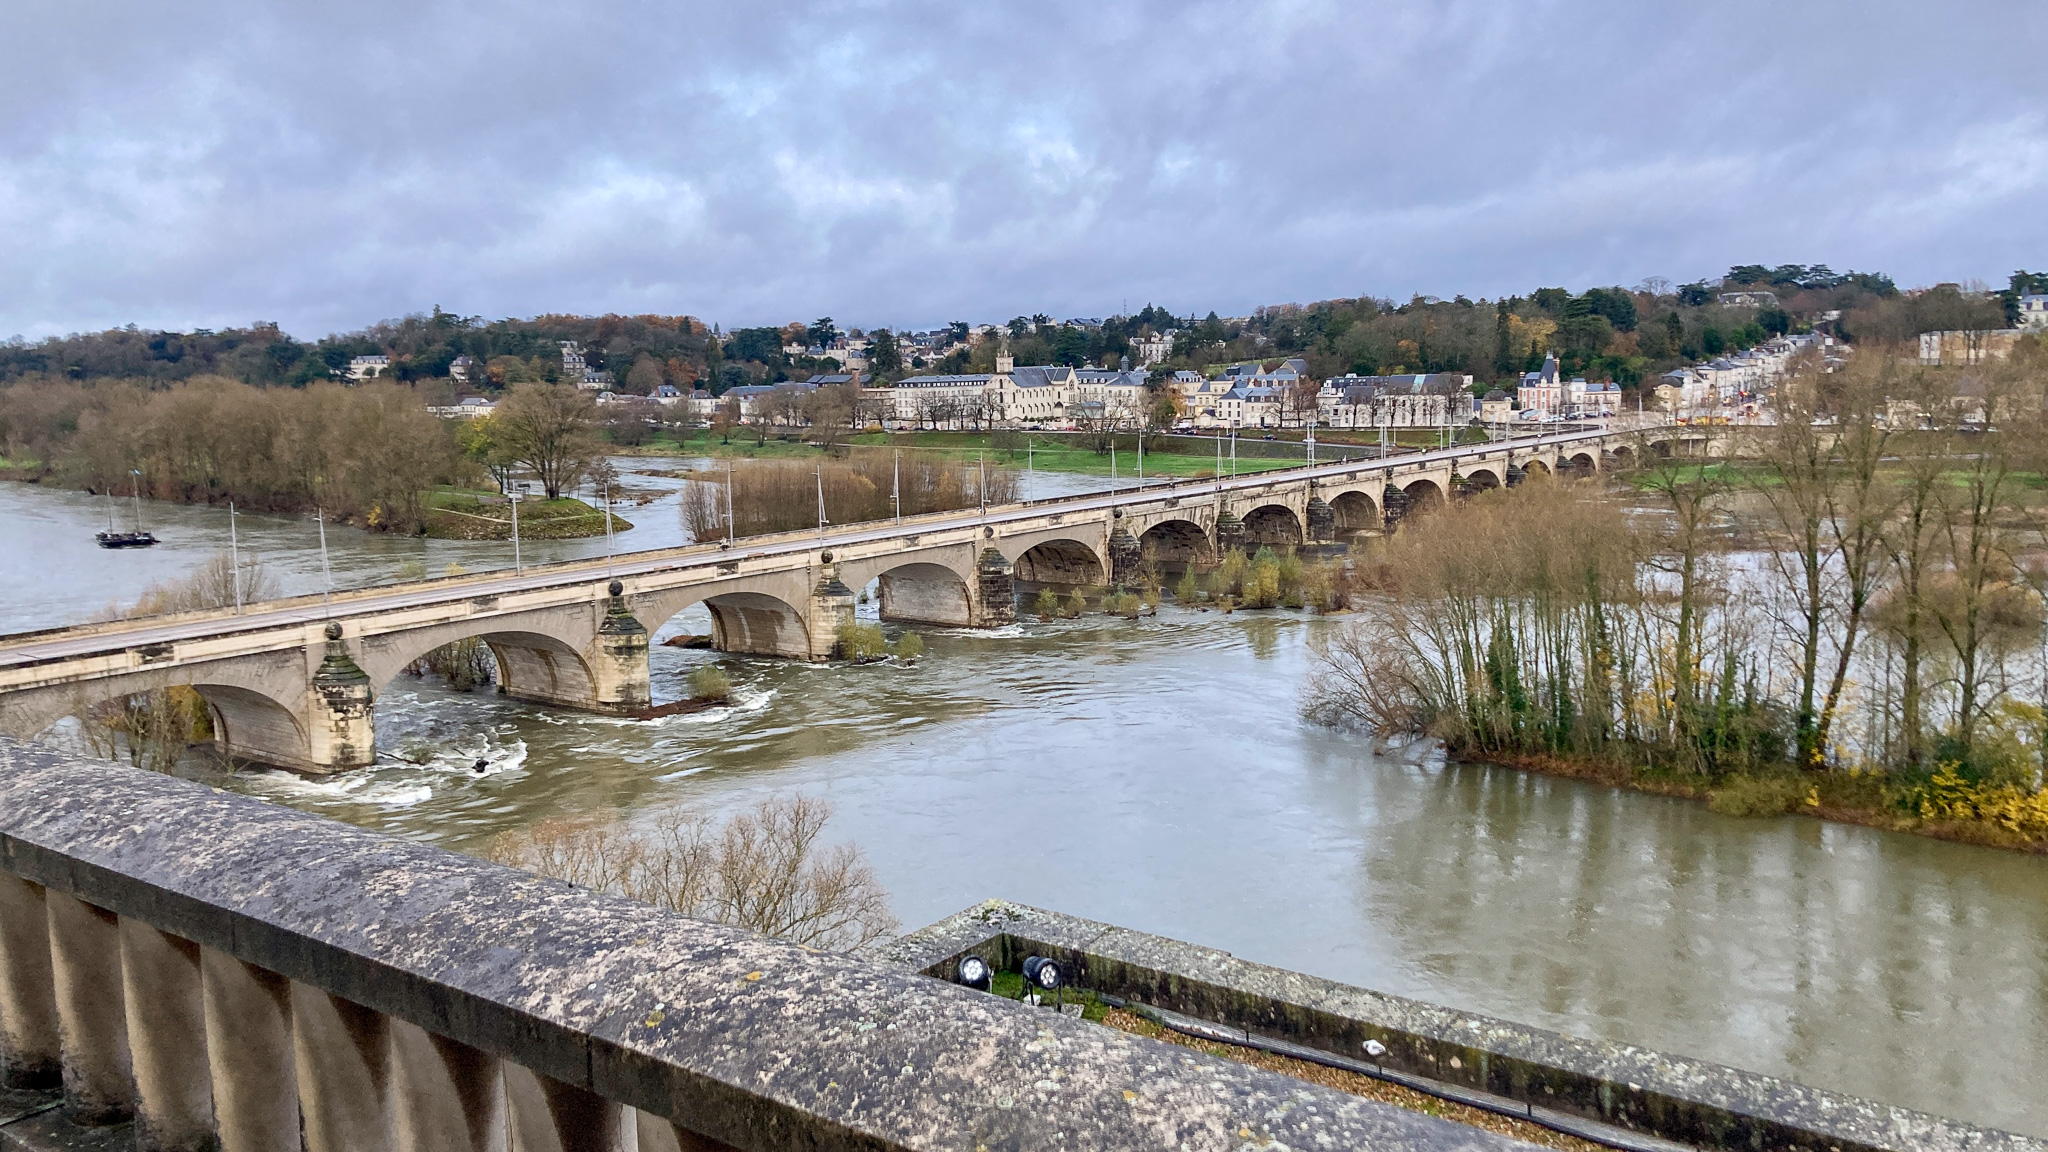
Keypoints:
pixel 342 1054
pixel 166 1040
pixel 28 1001
pixel 550 1116
pixel 92 1029
pixel 249 1054
pixel 445 1096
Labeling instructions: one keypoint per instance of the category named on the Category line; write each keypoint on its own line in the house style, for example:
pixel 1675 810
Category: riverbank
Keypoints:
pixel 1043 453
pixel 1945 807
pixel 466 516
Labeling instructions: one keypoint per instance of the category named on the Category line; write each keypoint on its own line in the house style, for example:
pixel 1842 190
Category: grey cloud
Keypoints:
pixel 328 165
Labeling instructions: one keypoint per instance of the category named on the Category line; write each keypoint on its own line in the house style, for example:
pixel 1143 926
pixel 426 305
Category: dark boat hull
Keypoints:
pixel 125 539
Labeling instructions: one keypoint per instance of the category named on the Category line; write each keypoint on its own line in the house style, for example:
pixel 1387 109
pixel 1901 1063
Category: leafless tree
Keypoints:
pixel 763 869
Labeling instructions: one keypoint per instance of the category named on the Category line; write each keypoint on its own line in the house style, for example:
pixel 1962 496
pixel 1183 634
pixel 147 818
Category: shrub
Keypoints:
pixel 1187 587
pixel 1758 795
pixel 709 682
pixel 1076 604
pixel 862 643
pixel 762 870
pixel 1047 605
pixel 909 646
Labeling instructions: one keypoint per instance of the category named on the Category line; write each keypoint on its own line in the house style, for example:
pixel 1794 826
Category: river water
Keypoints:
pixel 1154 774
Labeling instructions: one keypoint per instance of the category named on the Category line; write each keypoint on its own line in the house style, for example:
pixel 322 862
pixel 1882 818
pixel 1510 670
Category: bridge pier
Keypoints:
pixel 831 608
pixel 995 590
pixel 619 674
pixel 342 732
pixel 1320 520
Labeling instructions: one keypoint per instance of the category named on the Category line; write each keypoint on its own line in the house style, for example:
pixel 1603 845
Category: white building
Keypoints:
pixel 2034 312
pixel 1541 390
pixel 1427 400
pixel 1153 349
pixel 576 369
pixel 368 367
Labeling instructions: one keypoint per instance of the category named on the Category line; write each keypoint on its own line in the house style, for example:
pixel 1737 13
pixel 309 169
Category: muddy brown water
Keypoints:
pixel 1155 774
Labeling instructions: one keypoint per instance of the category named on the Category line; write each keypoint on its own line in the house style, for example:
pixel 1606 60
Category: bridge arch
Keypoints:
pixel 924 593
pixel 1356 512
pixel 1175 544
pixel 1578 464
pixel 1272 524
pixel 1061 560
pixel 1423 496
pixel 1482 478
pixel 1535 467
pixel 254 722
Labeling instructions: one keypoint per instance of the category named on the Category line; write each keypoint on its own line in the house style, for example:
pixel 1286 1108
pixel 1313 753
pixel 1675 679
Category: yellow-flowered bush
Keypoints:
pixel 1947 796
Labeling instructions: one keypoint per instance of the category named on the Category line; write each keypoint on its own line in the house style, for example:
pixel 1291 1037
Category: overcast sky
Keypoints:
pixel 327 165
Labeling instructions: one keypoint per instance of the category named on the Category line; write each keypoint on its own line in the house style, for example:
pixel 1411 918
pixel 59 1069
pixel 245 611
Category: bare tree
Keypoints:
pixel 763 869
pixel 549 429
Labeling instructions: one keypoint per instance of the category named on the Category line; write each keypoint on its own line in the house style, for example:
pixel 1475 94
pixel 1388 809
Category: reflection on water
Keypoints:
pixel 1155 774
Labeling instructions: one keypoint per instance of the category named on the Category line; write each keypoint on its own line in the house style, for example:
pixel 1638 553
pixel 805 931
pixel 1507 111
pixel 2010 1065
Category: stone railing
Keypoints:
pixel 1466 1056
pixel 222 972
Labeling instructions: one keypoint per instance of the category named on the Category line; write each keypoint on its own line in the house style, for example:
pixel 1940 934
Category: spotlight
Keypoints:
pixel 1043 972
pixel 973 972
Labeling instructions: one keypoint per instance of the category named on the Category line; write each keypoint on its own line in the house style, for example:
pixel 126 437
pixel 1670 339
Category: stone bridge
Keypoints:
pixel 293 682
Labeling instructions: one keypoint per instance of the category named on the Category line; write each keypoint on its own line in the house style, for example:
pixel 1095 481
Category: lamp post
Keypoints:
pixel 607 527
pixel 819 471
pixel 732 528
pixel 235 557
pixel 326 572
pixel 896 486
pixel 518 567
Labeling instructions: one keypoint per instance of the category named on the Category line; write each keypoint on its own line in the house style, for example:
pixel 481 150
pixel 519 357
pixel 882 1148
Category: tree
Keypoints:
pixel 482 442
pixel 550 428
pixel 831 410
pixel 822 332
pixel 787 404
pixel 885 356
pixel 724 418
pixel 645 376
pixel 763 870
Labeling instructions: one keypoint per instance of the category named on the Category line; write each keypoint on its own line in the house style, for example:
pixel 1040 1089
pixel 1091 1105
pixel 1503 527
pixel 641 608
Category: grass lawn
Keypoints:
pixel 1047 454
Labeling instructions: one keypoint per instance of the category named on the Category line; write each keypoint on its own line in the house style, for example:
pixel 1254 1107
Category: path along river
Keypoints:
pixel 1155 774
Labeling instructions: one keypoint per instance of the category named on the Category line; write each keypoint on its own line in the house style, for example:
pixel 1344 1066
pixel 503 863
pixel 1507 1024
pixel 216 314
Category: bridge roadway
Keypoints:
pixel 293 682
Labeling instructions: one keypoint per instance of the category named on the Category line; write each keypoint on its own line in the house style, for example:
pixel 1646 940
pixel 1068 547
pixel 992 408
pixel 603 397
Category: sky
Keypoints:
pixel 329 165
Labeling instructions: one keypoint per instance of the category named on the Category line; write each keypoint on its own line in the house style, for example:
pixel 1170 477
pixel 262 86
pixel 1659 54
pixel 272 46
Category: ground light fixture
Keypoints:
pixel 973 972
pixel 1043 972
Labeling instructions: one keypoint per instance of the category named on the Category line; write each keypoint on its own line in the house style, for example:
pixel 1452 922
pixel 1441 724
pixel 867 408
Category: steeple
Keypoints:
pixel 1004 365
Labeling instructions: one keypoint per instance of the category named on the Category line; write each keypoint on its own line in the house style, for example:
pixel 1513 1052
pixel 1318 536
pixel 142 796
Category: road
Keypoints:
pixel 30 648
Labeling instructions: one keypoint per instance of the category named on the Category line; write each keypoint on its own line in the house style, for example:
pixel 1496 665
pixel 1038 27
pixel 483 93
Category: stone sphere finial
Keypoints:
pixel 617 588
pixel 1116 513
pixel 333 631
pixel 988 533
pixel 825 556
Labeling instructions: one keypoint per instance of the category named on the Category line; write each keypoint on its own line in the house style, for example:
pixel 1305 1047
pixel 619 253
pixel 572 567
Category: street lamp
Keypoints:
pixel 518 568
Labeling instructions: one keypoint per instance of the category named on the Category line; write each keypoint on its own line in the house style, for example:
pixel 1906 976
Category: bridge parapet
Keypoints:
pixel 222 972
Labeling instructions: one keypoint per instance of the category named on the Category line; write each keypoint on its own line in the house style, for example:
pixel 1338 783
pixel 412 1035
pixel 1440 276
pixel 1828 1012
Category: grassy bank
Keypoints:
pixel 1941 807
pixel 1044 454
pixel 462 515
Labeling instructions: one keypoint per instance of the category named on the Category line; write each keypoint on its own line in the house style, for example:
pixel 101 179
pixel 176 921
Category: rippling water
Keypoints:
pixel 1155 774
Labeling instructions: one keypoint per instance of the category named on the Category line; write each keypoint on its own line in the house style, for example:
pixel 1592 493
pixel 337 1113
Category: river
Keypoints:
pixel 1155 774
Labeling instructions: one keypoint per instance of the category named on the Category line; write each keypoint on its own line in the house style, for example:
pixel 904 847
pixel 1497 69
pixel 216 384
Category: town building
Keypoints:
pixel 1496 407
pixel 465 370
pixel 576 369
pixel 368 367
pixel 1153 348
pixel 2034 312
pixel 1425 400
pixel 1542 391
pixel 1963 348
